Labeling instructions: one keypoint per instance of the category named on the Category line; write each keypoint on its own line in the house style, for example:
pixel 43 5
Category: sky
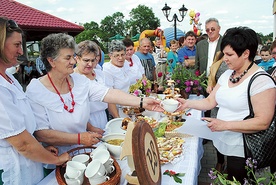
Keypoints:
pixel 256 14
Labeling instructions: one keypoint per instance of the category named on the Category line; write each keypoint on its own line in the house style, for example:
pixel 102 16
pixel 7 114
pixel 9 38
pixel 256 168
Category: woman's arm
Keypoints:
pixel 263 105
pixel 30 148
pixel 119 97
pixel 203 104
pixel 112 108
pixel 54 137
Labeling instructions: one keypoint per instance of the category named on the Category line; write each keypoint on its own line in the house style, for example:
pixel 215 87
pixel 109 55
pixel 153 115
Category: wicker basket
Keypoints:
pixel 114 176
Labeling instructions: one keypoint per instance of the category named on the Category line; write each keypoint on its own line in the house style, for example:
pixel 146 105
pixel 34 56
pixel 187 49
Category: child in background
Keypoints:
pixel 267 60
pixel 172 55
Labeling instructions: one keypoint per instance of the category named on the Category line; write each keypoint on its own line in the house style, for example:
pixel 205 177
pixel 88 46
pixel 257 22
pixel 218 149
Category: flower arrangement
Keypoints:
pixel 141 87
pixel 174 175
pixel 192 82
pixel 266 178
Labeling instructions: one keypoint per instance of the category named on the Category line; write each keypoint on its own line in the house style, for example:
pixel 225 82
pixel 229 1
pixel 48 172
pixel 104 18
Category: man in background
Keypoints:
pixel 147 60
pixel 207 48
pixel 40 67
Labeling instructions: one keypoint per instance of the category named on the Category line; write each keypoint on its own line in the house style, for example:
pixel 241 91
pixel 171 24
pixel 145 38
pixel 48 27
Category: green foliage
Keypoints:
pixel 142 18
pixel 266 178
pixel 266 38
pixel 112 25
pixel 91 31
pixel 176 176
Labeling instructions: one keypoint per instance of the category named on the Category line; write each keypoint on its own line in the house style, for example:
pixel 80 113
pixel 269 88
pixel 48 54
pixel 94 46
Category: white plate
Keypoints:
pixel 114 126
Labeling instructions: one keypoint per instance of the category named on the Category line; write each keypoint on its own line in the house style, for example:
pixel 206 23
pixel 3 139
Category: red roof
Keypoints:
pixel 36 22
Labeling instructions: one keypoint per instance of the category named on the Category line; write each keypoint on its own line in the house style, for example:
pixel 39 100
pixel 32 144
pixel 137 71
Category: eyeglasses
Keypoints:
pixel 12 24
pixel 119 55
pixel 212 29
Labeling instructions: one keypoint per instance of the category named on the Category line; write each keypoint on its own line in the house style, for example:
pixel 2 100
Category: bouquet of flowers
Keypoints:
pixel 141 88
pixel 189 80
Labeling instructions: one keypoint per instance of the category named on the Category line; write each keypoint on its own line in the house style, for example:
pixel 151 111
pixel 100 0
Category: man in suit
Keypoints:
pixel 207 48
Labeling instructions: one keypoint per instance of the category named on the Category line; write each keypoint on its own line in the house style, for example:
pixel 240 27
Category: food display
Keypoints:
pixel 151 121
pixel 169 148
pixel 116 142
pixel 166 126
pixel 125 122
pixel 133 110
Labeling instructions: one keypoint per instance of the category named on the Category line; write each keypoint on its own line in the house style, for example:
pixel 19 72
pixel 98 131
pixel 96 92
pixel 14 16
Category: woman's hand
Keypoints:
pixel 97 130
pixel 52 149
pixel 152 104
pixel 215 124
pixel 209 89
pixel 183 104
pixel 89 138
pixel 63 158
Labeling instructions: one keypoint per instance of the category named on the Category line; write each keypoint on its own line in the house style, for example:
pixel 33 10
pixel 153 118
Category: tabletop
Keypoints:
pixel 188 163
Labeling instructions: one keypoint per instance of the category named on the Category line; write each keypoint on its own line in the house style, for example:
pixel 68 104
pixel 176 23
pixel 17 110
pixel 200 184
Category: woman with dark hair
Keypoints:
pixel 239 46
pixel 21 154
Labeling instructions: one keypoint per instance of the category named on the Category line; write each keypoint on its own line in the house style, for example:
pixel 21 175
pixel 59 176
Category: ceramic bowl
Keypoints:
pixel 114 150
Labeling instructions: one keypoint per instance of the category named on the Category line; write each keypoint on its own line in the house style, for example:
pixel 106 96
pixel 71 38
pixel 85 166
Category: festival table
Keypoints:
pixel 189 163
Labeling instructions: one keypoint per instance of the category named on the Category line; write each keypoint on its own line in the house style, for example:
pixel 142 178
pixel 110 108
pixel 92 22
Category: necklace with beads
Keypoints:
pixel 62 100
pixel 237 79
pixel 7 78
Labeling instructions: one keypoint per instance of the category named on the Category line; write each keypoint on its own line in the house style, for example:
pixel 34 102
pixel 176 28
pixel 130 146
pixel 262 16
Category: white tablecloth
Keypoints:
pixel 189 163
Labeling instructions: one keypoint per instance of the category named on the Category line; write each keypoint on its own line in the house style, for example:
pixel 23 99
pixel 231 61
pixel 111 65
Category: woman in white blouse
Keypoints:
pixel 116 72
pixel 87 56
pixel 135 69
pixel 61 99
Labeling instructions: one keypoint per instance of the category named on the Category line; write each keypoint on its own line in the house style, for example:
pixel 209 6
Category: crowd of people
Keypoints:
pixel 74 93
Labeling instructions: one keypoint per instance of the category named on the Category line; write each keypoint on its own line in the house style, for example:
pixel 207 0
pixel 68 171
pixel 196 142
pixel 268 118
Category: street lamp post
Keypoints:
pixel 182 11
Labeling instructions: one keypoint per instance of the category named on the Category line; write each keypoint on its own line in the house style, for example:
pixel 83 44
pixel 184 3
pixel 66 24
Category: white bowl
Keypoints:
pixel 114 150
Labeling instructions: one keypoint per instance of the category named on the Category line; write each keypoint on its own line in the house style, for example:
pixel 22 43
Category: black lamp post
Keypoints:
pixel 182 11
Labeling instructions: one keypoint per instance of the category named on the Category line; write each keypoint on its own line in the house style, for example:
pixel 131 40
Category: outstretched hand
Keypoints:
pixel 152 104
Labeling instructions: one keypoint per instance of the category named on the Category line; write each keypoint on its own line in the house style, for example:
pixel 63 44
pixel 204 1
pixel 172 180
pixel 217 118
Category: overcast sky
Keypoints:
pixel 256 14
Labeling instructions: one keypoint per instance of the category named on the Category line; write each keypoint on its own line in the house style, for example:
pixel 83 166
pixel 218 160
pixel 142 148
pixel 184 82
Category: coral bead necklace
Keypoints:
pixel 62 100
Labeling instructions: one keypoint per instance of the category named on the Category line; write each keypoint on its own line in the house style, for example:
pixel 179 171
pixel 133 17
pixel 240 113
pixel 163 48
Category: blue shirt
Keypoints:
pixel 148 63
pixel 185 51
pixel 102 59
pixel 267 65
pixel 172 56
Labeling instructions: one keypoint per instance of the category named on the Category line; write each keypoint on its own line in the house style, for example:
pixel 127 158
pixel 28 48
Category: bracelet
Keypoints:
pixel 141 103
pixel 78 138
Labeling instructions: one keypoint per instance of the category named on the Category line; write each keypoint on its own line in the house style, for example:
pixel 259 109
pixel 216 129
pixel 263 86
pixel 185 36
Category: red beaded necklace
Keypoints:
pixel 7 78
pixel 72 96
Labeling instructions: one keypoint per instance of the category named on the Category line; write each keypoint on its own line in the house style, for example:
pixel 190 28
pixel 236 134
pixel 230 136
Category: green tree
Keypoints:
pixel 112 25
pixel 266 39
pixel 141 18
pixel 91 31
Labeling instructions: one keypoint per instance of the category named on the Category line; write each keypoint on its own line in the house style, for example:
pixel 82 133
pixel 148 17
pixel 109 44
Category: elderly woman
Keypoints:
pixel 239 46
pixel 116 72
pixel 61 99
pixel 87 64
pixel 21 154
pixel 135 69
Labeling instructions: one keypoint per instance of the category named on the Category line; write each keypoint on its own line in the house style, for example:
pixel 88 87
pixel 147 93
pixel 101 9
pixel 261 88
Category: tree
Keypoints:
pixel 91 31
pixel 266 39
pixel 141 18
pixel 112 25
